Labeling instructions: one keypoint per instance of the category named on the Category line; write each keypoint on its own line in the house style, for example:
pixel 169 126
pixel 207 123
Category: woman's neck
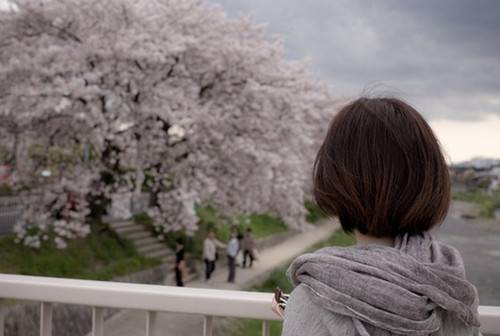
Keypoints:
pixel 363 239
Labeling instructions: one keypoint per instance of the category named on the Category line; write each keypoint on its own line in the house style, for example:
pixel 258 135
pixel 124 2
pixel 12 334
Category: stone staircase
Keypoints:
pixel 145 243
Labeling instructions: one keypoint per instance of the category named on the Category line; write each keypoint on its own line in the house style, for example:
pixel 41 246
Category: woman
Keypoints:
pixel 380 170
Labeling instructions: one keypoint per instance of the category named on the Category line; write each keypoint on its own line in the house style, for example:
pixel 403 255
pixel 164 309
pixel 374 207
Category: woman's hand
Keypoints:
pixel 277 309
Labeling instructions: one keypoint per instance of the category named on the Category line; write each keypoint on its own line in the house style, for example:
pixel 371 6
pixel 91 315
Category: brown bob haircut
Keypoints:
pixel 380 169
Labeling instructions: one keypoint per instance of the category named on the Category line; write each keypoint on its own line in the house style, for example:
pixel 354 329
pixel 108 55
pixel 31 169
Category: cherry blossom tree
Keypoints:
pixel 160 96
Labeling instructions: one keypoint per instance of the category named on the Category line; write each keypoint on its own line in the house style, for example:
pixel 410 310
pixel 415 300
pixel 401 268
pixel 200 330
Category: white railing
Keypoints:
pixel 149 298
pixel 153 299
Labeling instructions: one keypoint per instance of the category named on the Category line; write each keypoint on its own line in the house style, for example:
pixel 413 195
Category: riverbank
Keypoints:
pixel 131 323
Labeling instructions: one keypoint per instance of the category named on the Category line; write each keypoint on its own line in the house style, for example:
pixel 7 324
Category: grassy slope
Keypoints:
pixel 262 225
pixel 103 255
pixel 279 279
pixel 99 256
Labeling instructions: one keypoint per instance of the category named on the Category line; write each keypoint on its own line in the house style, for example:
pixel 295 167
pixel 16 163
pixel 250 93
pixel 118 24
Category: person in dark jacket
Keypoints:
pixel 248 246
pixel 180 263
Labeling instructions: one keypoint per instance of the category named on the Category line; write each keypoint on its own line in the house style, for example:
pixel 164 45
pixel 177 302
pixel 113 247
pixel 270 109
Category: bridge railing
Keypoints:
pixel 151 299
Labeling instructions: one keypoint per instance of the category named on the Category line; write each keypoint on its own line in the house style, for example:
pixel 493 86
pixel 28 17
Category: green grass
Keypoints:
pixel 488 201
pixel 339 238
pixel 314 213
pixel 100 256
pixel 278 279
pixel 262 225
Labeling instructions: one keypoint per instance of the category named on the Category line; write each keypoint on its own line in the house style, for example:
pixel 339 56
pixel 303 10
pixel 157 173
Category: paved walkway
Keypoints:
pixel 132 323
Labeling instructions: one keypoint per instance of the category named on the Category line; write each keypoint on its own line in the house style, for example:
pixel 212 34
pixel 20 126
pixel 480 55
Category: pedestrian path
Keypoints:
pixel 132 323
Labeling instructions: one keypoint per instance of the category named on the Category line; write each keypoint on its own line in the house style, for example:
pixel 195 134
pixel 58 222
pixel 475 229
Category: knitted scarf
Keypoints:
pixel 402 289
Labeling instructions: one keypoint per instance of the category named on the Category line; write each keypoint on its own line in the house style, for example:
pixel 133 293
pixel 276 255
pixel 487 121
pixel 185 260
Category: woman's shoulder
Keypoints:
pixel 305 317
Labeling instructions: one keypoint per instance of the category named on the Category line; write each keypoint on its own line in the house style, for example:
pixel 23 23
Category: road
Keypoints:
pixel 479 243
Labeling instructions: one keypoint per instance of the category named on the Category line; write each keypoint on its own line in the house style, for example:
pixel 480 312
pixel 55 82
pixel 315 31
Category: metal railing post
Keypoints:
pixel 208 326
pixel 3 312
pixel 265 328
pixel 45 319
pixel 151 323
pixel 97 321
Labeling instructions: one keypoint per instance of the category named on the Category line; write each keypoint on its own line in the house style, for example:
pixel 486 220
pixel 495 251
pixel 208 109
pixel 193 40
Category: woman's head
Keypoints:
pixel 380 169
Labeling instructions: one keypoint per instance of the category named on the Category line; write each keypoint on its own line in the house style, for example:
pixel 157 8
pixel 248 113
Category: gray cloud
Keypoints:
pixel 443 56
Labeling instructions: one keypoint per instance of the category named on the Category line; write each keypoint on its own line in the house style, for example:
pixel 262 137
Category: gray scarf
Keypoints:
pixel 402 289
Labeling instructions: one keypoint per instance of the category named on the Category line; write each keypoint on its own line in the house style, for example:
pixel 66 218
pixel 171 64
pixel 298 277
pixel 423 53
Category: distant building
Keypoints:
pixel 495 183
pixel 480 173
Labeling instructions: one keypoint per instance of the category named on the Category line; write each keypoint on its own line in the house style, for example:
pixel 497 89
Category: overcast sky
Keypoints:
pixel 442 56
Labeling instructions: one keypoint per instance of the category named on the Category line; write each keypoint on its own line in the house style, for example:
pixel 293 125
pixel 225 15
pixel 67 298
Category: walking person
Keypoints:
pixel 180 264
pixel 232 251
pixel 210 245
pixel 248 246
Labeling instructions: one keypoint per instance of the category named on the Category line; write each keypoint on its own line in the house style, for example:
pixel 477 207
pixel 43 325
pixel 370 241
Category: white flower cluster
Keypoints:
pixel 166 97
pixel 38 223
